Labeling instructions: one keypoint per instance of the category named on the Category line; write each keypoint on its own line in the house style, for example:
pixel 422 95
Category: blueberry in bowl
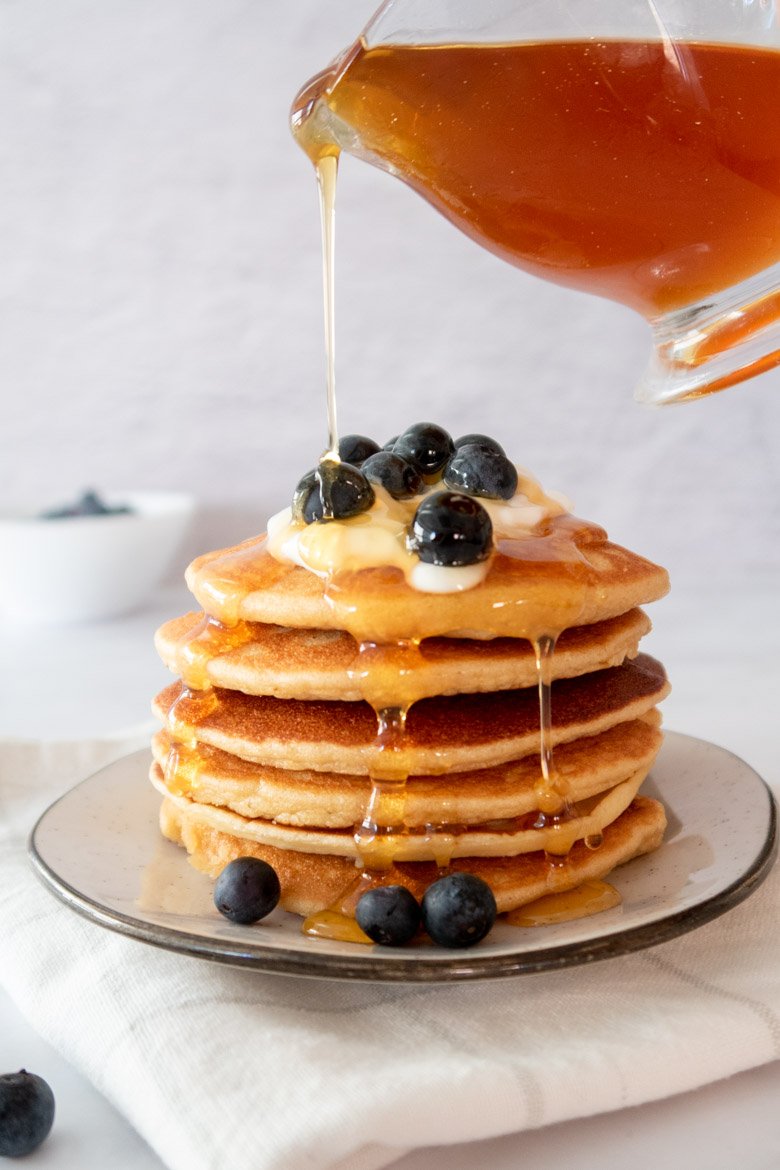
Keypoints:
pixel 89 503
pixel 91 564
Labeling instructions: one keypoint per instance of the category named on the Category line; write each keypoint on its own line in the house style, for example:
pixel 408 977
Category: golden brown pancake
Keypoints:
pixel 306 798
pixel 506 838
pixel 272 735
pixel 454 733
pixel 311 881
pixel 293 663
pixel 570 571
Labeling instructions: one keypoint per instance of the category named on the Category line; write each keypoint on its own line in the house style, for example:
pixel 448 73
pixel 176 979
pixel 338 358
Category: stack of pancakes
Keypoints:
pixel 275 743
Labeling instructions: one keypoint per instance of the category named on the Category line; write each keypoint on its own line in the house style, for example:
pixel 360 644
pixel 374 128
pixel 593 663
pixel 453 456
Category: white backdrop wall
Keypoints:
pixel 161 300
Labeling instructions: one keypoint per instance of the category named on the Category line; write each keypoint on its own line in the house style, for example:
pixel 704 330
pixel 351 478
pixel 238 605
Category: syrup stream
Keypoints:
pixel 327 170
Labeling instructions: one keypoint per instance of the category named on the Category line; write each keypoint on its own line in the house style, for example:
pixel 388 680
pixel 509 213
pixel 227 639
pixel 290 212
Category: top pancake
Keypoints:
pixel 326 664
pixel 566 575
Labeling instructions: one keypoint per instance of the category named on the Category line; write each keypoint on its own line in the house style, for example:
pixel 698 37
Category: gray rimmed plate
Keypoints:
pixel 100 850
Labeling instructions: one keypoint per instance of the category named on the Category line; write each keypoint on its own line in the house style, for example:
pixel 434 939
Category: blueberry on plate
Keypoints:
pixel 458 910
pixel 481 471
pixel 26 1113
pixel 483 441
pixel 426 446
pixel 355 448
pixel 394 474
pixel 451 529
pixel 247 890
pixel 389 915
pixel 332 491
pixel 390 444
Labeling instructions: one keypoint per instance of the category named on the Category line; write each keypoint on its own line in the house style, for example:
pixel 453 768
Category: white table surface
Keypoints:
pixel 726 689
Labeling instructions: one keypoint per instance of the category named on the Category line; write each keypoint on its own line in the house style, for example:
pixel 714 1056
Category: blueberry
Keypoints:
pixel 389 915
pixel 481 471
pixel 458 910
pixel 391 443
pixel 355 448
pixel 90 504
pixel 451 529
pixel 247 890
pixel 26 1113
pixel 394 474
pixel 426 446
pixel 333 491
pixel 483 441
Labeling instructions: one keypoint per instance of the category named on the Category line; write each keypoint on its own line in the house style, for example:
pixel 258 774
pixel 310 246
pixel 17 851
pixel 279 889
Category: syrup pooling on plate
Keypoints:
pixel 591 897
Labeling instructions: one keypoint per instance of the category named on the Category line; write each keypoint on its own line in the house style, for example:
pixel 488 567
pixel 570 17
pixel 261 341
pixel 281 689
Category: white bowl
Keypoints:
pixel 82 568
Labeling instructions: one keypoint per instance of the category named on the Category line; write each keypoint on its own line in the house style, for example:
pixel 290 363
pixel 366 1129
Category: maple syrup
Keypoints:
pixel 592 897
pixel 626 168
pixel 198 699
pixel 337 921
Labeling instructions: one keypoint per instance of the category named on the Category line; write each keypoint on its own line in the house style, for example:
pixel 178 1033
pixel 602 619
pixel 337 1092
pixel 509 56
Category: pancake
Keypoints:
pixel 506 838
pixel 454 733
pixel 379 708
pixel 568 575
pixel 306 798
pixel 310 881
pixel 295 663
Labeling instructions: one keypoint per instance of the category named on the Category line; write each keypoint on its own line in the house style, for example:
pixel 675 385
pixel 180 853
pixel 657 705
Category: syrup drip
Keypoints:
pixel 190 708
pixel 375 838
pixel 555 808
pixel 198 699
pixel 379 670
pixel 182 769
pixel 337 921
pixel 385 672
pixel 591 897
pixel 207 640
pixel 182 765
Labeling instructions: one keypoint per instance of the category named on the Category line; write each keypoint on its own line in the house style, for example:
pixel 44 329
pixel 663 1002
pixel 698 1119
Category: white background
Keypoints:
pixel 161 303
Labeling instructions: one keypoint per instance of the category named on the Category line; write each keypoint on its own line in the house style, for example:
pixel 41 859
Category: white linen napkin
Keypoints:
pixel 220 1068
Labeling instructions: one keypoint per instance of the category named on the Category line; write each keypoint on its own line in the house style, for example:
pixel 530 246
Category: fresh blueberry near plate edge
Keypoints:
pixel 26 1113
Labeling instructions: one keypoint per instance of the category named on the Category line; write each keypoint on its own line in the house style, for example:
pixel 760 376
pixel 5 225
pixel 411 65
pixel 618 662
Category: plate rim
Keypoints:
pixel 414 968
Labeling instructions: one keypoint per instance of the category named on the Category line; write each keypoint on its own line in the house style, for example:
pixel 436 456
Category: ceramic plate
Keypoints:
pixel 99 849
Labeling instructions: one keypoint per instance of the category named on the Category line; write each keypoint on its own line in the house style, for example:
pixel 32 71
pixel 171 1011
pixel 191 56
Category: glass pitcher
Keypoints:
pixel 629 148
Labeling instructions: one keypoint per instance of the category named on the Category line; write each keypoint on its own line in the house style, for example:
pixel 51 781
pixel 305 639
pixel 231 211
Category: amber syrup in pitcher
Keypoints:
pixel 647 172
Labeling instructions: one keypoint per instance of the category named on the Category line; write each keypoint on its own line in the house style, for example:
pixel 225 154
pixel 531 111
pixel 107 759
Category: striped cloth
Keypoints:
pixel 219 1068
